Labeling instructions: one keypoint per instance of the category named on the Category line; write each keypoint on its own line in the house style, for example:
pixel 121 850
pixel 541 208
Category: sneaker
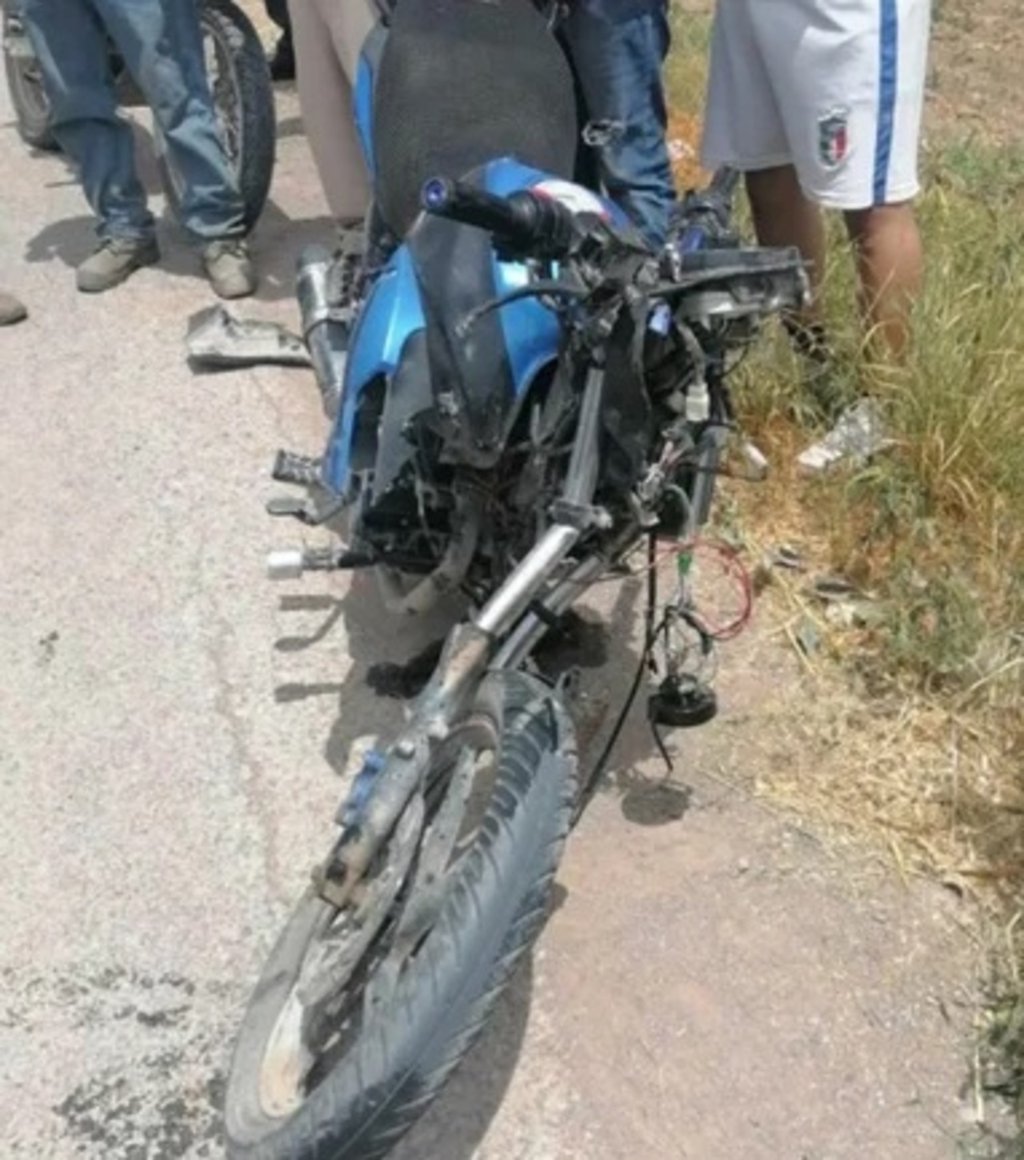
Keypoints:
pixel 11 310
pixel 229 267
pixel 115 260
pixel 858 434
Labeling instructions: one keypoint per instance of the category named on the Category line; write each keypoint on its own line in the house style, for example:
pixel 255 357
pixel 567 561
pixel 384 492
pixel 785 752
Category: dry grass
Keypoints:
pixel 911 729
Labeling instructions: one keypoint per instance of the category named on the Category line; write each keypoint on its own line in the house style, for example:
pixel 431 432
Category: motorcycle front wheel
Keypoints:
pixel 345 1078
pixel 243 98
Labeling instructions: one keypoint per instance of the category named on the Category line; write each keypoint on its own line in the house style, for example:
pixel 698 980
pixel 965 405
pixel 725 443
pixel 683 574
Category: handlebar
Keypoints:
pixel 708 213
pixel 524 223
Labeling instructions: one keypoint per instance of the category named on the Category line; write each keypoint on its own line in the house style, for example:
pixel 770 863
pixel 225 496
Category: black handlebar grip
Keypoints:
pixel 474 207
pixel 524 223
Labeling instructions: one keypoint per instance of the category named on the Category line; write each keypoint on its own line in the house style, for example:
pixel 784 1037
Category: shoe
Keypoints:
pixel 11 310
pixel 115 260
pixel 229 267
pixel 858 434
pixel 282 61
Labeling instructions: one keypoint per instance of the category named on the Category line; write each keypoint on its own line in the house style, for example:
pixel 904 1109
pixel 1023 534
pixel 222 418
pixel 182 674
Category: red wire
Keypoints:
pixel 734 568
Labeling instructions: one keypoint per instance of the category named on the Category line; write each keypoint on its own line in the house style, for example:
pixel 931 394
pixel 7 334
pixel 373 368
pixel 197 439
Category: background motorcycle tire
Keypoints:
pixel 28 97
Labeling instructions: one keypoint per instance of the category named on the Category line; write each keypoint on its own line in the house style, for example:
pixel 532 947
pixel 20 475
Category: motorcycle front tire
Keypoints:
pixel 489 919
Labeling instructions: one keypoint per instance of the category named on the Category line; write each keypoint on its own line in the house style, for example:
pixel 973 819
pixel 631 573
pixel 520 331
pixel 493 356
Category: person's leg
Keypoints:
pixel 327 43
pixel 890 265
pixel 161 41
pixel 850 83
pixel 162 46
pixel 70 43
pixel 784 216
pixel 618 48
pixel 885 236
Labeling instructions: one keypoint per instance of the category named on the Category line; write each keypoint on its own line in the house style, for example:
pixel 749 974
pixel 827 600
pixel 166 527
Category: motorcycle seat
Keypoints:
pixel 461 83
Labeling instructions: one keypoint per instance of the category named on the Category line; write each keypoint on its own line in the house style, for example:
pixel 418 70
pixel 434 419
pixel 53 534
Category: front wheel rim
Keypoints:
pixel 306 1043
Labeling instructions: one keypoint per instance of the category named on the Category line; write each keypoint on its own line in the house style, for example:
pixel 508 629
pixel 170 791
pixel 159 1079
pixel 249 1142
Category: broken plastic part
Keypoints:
pixel 216 340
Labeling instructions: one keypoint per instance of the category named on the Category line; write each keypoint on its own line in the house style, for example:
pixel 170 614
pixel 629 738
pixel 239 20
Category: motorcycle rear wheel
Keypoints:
pixel 383 1078
pixel 28 97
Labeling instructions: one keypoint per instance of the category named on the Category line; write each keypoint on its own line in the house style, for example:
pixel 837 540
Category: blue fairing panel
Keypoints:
pixel 531 329
pixel 393 313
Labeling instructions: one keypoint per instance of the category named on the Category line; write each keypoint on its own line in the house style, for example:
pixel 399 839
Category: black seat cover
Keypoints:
pixel 462 82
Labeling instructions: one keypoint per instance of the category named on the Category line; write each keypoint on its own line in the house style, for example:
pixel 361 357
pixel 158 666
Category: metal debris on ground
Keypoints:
pixel 216 340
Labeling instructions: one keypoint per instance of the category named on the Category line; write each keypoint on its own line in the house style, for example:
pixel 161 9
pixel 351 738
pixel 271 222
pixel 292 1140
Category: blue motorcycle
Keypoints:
pixel 524 396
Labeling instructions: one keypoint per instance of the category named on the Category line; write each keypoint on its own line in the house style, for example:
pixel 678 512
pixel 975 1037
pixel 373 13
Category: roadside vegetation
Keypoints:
pixel 914 736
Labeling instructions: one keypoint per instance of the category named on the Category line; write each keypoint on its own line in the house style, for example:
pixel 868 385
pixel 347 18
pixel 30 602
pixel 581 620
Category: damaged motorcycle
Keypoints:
pixel 525 399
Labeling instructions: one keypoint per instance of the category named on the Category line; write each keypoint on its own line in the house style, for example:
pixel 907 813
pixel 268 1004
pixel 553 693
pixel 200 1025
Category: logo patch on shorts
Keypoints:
pixel 834 137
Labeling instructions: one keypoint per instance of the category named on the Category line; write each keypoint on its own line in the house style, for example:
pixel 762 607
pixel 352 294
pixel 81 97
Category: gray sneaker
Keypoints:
pixel 11 310
pixel 114 260
pixel 858 434
pixel 229 267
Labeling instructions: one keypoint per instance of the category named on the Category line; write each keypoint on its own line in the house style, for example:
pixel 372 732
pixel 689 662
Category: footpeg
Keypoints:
pixel 290 467
pixel 307 511
pixel 294 563
pixel 289 505
pixel 286 564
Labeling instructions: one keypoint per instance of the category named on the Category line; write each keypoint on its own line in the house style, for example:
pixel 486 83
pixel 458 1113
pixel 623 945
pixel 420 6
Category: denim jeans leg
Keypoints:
pixel 71 45
pixel 618 49
pixel 162 46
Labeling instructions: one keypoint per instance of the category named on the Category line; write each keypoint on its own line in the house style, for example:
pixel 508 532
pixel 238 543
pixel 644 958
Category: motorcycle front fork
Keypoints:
pixel 471 649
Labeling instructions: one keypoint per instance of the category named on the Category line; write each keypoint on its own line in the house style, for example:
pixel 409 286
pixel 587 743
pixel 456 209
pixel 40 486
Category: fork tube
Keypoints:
pixel 511 600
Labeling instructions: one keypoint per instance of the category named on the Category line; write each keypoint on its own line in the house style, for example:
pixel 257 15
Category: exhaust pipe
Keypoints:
pixel 325 332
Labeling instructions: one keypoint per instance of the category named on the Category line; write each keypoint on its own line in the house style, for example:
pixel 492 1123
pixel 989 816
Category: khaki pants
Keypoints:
pixel 328 36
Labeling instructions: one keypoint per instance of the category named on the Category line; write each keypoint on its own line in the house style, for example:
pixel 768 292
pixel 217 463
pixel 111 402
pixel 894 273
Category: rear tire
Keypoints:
pixel 490 917
pixel 245 109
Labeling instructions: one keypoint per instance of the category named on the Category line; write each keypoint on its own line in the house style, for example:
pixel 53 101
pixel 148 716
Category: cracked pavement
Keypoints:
pixel 714 983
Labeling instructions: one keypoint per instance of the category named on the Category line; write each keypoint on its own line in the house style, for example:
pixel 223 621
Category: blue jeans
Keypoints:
pixel 161 44
pixel 618 48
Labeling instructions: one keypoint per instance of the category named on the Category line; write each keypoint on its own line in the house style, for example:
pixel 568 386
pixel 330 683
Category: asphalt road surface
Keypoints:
pixel 713 984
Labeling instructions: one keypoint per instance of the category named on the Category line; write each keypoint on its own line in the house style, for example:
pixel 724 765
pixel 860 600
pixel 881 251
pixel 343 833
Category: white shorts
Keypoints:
pixel 834 87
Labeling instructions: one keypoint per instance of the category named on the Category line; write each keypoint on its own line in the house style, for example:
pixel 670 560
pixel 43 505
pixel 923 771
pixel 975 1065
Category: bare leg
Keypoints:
pixel 783 216
pixel 890 264
pixel 325 95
